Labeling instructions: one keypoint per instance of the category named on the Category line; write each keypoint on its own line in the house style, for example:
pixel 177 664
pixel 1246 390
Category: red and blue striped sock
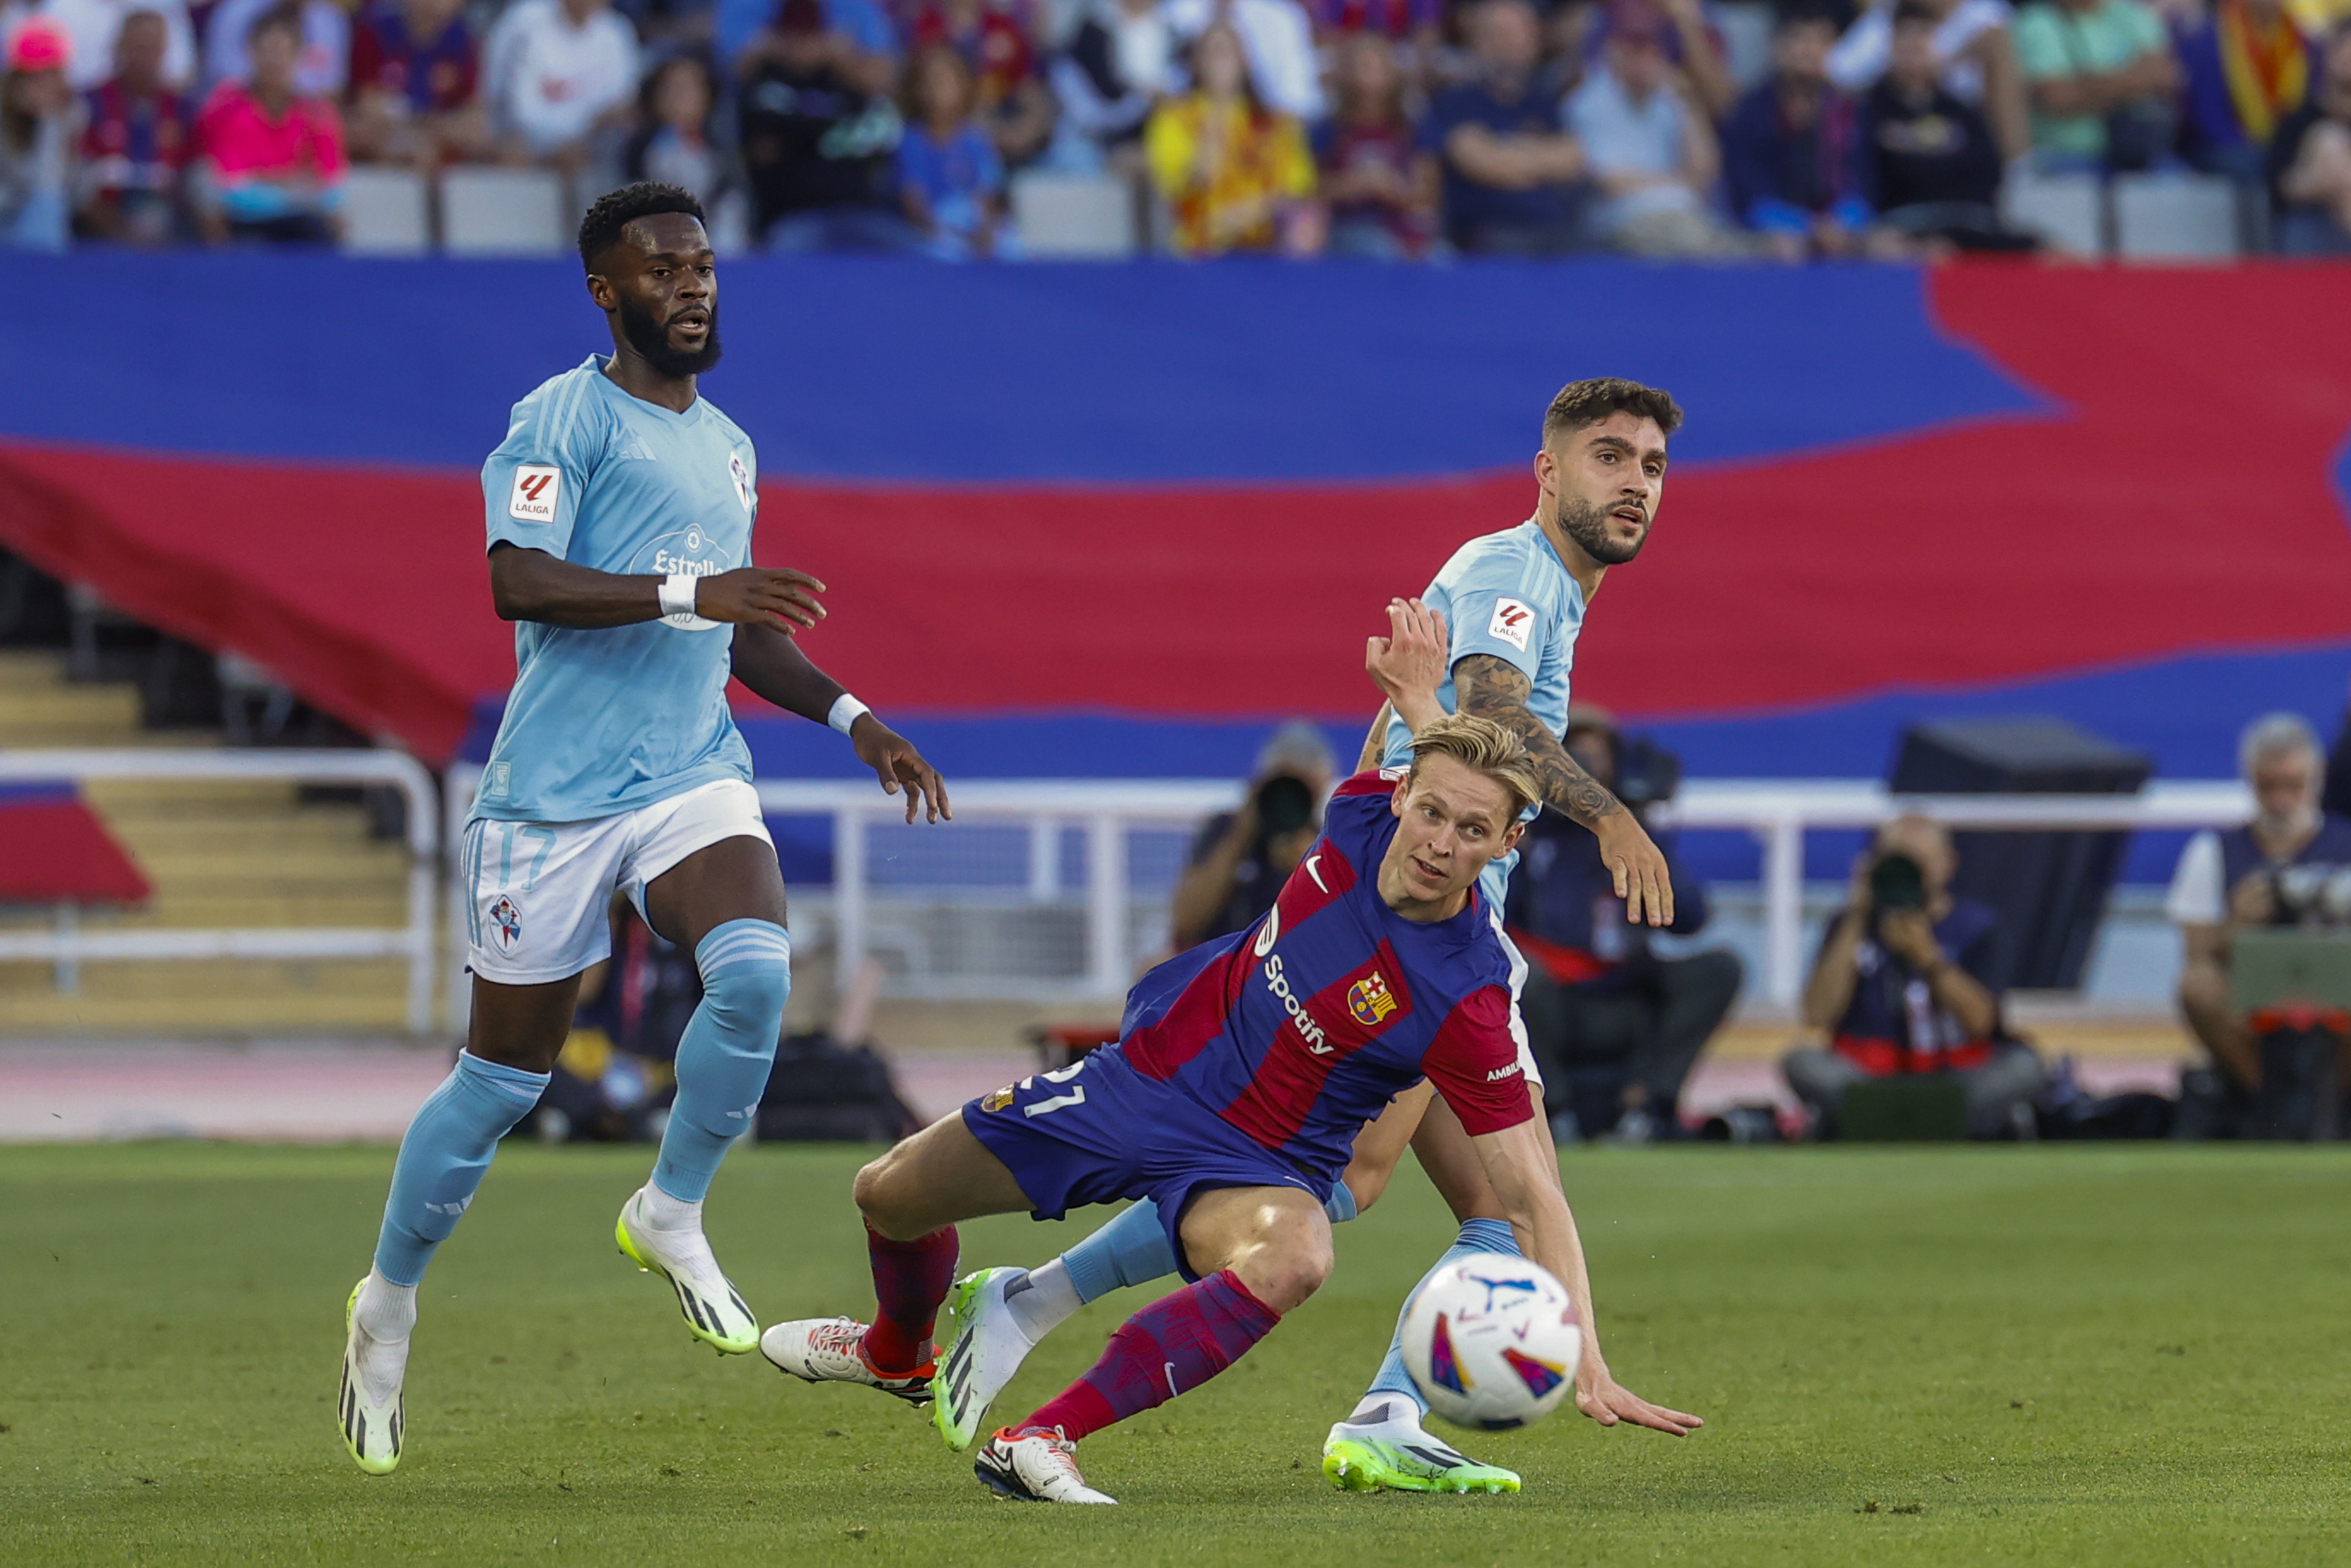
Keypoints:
pixel 1176 1343
pixel 910 1279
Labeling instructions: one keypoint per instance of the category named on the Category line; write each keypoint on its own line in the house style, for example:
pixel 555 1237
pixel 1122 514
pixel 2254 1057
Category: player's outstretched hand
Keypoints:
pixel 760 596
pixel 1409 665
pixel 1607 1401
pixel 899 766
pixel 1638 866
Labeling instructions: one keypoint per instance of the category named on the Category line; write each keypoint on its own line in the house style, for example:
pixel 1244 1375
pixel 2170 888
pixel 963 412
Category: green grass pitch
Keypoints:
pixel 2064 1355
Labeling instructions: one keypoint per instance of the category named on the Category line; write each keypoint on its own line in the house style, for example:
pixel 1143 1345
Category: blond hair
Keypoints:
pixel 1483 747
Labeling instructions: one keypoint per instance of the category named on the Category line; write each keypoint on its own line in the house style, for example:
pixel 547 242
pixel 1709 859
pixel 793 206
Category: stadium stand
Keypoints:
pixel 120 131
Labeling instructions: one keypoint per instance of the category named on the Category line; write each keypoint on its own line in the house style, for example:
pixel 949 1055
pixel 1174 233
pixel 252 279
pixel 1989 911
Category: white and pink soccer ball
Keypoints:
pixel 1491 1342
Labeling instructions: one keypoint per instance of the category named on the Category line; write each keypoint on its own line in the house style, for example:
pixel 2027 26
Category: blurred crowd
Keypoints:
pixel 1393 129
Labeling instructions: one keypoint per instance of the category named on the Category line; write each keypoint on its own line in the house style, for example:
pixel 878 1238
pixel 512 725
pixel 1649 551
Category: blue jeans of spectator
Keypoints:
pixel 873 229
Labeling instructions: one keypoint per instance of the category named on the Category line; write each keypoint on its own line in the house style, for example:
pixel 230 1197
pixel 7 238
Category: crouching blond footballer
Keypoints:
pixel 1244 1070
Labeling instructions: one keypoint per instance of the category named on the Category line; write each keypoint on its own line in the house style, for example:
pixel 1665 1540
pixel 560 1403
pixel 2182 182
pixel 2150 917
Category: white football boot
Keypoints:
pixel 1392 1451
pixel 987 1348
pixel 1036 1466
pixel 830 1350
pixel 714 1310
pixel 370 1405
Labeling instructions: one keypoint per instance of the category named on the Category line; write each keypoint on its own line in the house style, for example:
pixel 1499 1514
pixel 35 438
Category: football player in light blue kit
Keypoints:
pixel 620 510
pixel 1494 635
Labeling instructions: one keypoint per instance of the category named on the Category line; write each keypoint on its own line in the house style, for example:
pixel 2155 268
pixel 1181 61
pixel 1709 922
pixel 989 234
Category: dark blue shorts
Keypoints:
pixel 1099 1132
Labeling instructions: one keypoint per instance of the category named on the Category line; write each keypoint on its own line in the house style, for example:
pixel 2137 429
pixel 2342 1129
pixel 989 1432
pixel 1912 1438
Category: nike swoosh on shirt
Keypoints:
pixel 1316 875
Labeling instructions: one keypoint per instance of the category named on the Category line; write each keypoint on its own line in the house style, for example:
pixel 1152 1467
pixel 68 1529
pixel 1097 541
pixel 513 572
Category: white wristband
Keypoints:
pixel 845 711
pixel 677 593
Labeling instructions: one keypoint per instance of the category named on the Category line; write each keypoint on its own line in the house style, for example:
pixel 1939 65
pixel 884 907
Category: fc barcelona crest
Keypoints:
pixel 1370 999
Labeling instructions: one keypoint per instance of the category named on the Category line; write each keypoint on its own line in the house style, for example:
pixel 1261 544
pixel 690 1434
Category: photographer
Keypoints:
pixel 2230 882
pixel 1616 1027
pixel 1909 981
pixel 1240 858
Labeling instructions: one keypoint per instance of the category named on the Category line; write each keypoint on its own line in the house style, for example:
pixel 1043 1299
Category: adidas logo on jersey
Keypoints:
pixel 1317 1038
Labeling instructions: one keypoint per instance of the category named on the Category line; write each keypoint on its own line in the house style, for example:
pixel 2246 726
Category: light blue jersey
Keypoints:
pixel 1508 594
pixel 604 721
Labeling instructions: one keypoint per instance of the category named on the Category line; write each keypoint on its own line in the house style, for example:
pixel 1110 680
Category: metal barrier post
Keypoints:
pixel 847 895
pixel 1107 954
pixel 1783 909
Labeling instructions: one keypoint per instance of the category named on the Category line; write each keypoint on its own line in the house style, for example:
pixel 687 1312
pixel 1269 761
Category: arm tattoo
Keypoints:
pixel 1376 741
pixel 1496 689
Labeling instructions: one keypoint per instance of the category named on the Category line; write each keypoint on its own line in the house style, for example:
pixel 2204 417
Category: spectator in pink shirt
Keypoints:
pixel 271 159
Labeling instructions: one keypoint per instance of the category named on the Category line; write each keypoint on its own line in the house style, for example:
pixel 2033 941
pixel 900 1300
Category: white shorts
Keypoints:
pixel 1518 986
pixel 539 894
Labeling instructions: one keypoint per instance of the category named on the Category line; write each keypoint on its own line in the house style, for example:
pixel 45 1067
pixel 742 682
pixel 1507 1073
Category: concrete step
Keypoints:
pixel 224 854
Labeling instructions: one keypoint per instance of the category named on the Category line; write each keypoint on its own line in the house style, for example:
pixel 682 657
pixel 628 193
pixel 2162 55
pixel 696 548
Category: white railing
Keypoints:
pixel 1104 810
pixel 1780 812
pixel 1777 813
pixel 69 944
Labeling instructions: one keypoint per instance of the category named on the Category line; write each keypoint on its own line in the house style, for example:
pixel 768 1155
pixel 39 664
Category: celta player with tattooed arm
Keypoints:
pixel 1243 1072
pixel 619 511
pixel 1515 601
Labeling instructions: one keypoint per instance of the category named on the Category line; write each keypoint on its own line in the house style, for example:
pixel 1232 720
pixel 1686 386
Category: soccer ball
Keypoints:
pixel 1492 1342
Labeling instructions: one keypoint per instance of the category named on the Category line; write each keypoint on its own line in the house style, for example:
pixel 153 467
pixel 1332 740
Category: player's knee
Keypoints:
pixel 1288 1281
pixel 882 1192
pixel 747 975
pixel 1288 1265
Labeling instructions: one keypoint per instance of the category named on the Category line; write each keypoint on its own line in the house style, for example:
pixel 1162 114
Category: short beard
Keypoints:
pixel 650 339
pixel 2292 825
pixel 1588 527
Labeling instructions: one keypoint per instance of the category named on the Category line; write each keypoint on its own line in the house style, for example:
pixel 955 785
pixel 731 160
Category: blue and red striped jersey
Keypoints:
pixel 1301 1027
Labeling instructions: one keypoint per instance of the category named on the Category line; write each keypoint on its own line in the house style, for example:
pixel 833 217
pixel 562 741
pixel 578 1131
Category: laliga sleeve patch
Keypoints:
pixel 1512 622
pixel 535 487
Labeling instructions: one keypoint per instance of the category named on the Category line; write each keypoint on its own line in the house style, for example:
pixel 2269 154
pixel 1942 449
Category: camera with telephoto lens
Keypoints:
pixel 1283 806
pixel 1896 883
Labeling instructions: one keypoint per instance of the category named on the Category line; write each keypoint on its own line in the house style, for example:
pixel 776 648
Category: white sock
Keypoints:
pixel 662 1212
pixel 386 1312
pixel 1380 1409
pixel 1042 1300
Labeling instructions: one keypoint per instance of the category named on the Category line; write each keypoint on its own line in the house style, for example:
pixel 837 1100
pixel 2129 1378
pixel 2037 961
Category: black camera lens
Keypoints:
pixel 1284 805
pixel 1895 882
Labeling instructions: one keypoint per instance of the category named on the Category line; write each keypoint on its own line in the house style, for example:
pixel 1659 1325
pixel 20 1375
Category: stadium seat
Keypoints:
pixel 387 212
pixel 2175 217
pixel 2065 210
pixel 504 211
pixel 1074 214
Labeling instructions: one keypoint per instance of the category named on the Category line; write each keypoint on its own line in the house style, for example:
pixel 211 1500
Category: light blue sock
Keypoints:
pixel 727 1051
pixel 1476 1235
pixel 442 1155
pixel 1133 1249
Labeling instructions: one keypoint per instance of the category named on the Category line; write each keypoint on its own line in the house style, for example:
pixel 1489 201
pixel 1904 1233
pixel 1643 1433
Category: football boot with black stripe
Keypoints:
pixel 714 1310
pixel 368 1404
pixel 1038 1465
pixel 1394 1454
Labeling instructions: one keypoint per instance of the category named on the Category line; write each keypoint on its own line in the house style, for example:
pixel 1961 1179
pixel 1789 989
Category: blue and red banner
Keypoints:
pixel 1112 520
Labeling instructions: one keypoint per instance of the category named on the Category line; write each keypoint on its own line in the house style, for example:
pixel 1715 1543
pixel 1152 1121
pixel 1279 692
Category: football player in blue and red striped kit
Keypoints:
pixel 1243 1072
